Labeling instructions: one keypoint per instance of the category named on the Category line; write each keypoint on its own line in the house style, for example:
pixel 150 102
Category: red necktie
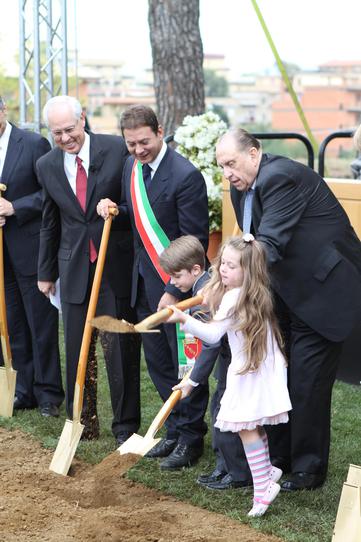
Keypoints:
pixel 81 185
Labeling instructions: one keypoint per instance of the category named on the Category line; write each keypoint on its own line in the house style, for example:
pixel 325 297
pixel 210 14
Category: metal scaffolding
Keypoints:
pixel 43 57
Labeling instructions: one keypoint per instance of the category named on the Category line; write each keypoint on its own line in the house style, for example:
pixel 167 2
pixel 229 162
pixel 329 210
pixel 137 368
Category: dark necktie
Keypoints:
pixel 81 186
pixel 147 175
pixel 247 211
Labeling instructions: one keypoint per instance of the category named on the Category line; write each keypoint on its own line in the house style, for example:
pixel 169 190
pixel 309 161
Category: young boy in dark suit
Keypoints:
pixel 184 261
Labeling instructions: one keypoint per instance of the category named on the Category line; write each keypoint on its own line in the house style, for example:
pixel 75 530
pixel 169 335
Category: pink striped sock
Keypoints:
pixel 260 465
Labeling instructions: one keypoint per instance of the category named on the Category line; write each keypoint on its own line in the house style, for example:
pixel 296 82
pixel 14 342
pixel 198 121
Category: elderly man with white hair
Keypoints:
pixel 81 169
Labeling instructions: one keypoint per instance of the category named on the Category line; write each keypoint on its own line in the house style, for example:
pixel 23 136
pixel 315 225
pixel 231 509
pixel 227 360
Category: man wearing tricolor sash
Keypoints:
pixel 165 197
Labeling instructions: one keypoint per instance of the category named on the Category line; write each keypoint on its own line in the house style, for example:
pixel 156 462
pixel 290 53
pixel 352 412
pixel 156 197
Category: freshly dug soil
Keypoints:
pixel 96 503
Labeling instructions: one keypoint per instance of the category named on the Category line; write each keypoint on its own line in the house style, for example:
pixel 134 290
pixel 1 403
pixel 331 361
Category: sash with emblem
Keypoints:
pixel 155 241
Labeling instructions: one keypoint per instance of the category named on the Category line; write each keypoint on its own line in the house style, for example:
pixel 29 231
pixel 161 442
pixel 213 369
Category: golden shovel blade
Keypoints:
pixel 136 444
pixel 7 391
pixel 108 323
pixel 66 448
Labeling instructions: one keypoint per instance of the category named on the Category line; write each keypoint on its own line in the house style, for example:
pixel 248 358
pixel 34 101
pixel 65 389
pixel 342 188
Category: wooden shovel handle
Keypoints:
pixel 166 409
pixel 88 328
pixel 161 316
pixel 236 230
pixel 5 343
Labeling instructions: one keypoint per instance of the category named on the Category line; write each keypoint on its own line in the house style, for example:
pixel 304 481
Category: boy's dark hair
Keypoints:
pixel 183 253
pixel 137 116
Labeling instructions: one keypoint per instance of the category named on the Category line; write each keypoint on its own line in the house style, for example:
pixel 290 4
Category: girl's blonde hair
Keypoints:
pixel 254 308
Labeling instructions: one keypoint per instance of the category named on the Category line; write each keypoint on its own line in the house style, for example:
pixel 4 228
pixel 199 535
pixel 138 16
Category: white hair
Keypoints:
pixel 72 102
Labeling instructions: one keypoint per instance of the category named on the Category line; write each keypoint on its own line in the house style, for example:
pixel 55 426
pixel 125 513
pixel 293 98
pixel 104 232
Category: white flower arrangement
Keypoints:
pixel 196 138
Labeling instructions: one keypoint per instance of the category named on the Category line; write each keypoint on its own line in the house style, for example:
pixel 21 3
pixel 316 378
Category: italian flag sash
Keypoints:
pixel 155 241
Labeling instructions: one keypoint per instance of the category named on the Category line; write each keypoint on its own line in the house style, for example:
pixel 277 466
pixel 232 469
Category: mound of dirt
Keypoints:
pixel 96 503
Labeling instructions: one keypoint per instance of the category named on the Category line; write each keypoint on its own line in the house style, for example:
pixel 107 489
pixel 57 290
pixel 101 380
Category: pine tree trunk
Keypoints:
pixel 177 60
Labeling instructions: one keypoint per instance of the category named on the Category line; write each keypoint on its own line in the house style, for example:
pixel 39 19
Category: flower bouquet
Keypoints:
pixel 196 139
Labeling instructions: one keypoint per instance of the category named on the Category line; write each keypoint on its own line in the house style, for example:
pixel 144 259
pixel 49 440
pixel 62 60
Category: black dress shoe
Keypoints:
pixel 49 410
pixel 302 480
pixel 163 448
pixel 123 436
pixel 19 405
pixel 282 463
pixel 183 455
pixel 227 482
pixel 214 476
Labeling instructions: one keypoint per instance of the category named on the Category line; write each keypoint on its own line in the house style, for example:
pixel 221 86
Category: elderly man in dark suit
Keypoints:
pixel 169 200
pixel 80 170
pixel 32 320
pixel 314 259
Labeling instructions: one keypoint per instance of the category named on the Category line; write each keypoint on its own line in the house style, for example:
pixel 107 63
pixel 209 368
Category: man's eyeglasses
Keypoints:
pixel 57 134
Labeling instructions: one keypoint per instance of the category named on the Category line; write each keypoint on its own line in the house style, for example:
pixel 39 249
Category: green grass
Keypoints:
pixel 301 517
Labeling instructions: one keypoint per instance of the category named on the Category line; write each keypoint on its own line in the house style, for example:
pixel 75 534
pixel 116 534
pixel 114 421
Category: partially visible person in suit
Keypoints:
pixel 314 258
pixel 32 320
pixel 184 261
pixel 357 138
pixel 80 170
pixel 165 197
pixel 87 127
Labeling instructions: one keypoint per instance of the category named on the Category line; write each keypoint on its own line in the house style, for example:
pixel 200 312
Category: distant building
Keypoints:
pixel 106 90
pixel 330 99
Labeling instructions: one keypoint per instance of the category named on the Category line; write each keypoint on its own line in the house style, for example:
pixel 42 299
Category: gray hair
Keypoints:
pixel 2 102
pixel 244 140
pixel 70 101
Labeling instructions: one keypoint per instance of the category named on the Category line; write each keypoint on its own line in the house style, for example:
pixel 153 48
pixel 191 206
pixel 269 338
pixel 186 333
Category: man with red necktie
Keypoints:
pixel 81 169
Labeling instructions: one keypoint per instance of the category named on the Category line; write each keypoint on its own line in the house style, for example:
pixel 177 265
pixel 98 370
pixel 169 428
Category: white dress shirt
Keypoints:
pixel 70 165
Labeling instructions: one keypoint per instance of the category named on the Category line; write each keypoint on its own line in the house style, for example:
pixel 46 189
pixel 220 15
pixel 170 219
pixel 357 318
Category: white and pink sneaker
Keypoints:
pixel 260 505
pixel 275 474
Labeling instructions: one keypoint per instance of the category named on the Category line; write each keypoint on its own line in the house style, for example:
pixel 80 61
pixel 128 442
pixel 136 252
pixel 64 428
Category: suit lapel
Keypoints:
pixel 256 211
pixel 13 153
pixel 62 178
pixel 238 199
pixel 159 181
pixel 96 160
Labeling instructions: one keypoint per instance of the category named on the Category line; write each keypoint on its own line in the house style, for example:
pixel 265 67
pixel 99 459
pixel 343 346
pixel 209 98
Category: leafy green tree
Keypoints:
pixel 9 90
pixel 221 112
pixel 214 84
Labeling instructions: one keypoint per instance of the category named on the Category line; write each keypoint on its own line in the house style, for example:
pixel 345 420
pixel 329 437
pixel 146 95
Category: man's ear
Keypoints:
pixel 253 152
pixel 160 131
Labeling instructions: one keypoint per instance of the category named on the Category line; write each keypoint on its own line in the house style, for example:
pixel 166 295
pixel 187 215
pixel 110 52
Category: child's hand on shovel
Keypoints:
pixel 185 387
pixel 176 316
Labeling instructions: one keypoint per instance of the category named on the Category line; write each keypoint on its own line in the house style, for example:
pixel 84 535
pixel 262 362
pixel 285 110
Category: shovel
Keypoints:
pixel 72 430
pixel 139 445
pixel 108 323
pixel 7 373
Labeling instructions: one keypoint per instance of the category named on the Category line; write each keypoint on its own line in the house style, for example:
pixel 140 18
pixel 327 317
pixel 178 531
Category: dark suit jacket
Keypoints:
pixel 66 228
pixel 178 197
pixel 313 252
pixel 21 231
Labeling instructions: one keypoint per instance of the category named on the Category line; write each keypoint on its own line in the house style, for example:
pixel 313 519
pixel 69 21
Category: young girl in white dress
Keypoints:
pixel 256 394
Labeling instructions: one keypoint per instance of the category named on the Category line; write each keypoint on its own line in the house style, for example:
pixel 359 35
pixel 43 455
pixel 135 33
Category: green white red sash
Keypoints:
pixel 155 241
